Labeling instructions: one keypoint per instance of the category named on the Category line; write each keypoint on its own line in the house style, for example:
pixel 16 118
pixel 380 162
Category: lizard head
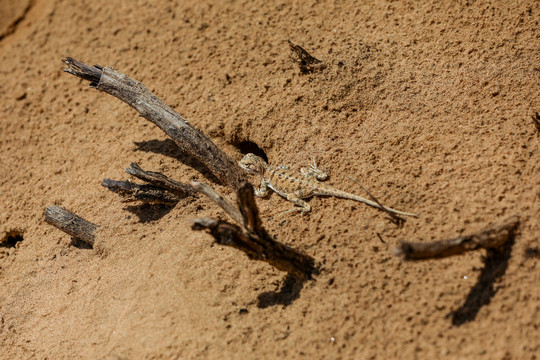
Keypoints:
pixel 252 163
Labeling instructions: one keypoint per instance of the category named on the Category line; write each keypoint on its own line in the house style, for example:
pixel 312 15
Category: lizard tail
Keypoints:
pixel 346 195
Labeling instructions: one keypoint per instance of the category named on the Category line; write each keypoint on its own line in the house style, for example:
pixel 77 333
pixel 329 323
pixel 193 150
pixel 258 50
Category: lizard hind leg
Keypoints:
pixel 303 206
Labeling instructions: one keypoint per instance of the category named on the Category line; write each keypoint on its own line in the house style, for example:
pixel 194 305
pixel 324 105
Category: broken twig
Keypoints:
pixel 304 60
pixel 71 224
pixel 492 237
pixel 254 240
pixel 188 138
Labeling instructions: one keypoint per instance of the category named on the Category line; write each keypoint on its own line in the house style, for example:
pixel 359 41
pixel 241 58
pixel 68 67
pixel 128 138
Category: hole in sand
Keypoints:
pixel 11 238
pixel 246 147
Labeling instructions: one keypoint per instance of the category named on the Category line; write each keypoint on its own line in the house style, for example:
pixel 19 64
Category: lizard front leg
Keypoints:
pixel 262 190
pixel 314 172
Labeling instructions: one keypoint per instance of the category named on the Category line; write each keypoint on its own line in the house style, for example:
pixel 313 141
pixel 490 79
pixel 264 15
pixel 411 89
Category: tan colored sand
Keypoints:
pixel 428 105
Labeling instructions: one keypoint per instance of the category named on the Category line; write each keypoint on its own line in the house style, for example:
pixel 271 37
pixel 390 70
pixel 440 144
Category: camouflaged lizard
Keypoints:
pixel 295 187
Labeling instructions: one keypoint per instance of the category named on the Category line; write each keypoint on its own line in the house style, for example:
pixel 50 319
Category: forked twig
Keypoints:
pixel 251 237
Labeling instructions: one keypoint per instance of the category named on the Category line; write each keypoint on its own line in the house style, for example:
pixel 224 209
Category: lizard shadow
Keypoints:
pixel 288 292
pixel 495 265
pixel 149 212
pixel 168 148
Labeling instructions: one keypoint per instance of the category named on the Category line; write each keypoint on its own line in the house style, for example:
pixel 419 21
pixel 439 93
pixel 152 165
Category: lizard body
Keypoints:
pixel 296 186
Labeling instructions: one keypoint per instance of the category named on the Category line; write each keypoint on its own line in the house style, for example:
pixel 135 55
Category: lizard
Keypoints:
pixel 296 186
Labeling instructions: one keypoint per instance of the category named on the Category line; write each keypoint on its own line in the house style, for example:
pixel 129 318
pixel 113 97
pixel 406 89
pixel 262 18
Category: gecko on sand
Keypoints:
pixel 297 186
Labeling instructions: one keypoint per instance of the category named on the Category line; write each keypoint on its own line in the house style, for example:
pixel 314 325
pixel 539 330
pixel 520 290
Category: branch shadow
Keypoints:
pixel 168 148
pixel 150 212
pixel 289 291
pixel 495 265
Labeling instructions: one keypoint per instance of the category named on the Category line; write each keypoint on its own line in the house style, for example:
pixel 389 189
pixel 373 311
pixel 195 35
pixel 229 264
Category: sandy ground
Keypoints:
pixel 428 104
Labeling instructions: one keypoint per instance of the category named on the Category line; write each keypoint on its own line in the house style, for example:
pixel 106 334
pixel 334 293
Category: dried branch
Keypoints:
pixel 254 240
pixel 188 138
pixel 146 193
pixel 220 200
pixel 492 237
pixel 71 224
pixel 304 60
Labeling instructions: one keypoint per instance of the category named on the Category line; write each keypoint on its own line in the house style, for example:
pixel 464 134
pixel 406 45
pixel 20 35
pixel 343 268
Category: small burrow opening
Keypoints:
pixel 246 147
pixel 11 238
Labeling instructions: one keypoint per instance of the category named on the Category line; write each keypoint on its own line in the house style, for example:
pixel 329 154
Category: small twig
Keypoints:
pixel 398 219
pixel 492 237
pixel 146 193
pixel 220 200
pixel 536 121
pixel 254 240
pixel 304 60
pixel 190 139
pixel 71 224
pixel 160 180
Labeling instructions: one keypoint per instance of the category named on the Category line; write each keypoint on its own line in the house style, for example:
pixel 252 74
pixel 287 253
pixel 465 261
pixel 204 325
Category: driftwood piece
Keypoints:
pixel 304 60
pixel 254 240
pixel 188 138
pixel 71 224
pixel 146 193
pixel 492 237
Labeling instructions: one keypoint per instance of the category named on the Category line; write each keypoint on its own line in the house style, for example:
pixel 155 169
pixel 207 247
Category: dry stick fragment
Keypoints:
pixel 304 60
pixel 492 237
pixel 71 224
pixel 146 193
pixel 188 138
pixel 253 239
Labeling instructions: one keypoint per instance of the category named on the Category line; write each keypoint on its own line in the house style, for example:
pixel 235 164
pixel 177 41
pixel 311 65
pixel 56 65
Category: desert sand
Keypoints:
pixel 429 105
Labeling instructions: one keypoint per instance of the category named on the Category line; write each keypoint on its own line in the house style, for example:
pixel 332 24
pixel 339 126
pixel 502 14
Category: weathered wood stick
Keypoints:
pixel 160 180
pixel 146 193
pixel 254 240
pixel 188 138
pixel 71 224
pixel 220 200
pixel 492 237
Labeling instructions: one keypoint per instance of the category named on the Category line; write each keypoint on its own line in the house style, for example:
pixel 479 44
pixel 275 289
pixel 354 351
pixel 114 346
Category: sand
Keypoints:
pixel 428 105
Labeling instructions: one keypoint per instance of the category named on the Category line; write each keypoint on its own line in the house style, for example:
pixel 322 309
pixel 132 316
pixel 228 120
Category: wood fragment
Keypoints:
pixel 492 237
pixel 71 224
pixel 146 193
pixel 188 138
pixel 254 240
pixel 304 60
